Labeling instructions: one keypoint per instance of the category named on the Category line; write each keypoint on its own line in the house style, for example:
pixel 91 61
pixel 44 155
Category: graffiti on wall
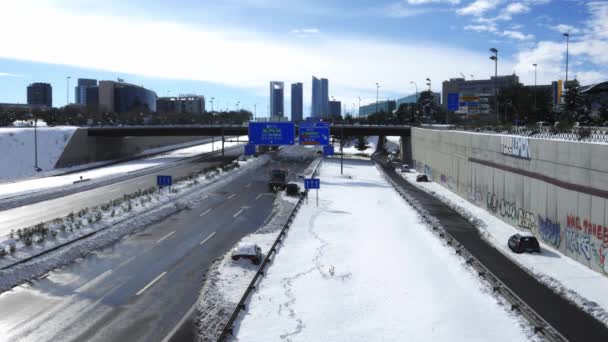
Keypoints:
pixel 448 181
pixel 579 240
pixel 474 195
pixel 515 146
pixel 549 231
pixel 506 209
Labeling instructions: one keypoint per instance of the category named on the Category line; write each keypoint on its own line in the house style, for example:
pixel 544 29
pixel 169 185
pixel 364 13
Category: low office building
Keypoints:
pixel 382 106
pixel 335 109
pixel 121 97
pixel 40 94
pixel 475 88
pixel 183 104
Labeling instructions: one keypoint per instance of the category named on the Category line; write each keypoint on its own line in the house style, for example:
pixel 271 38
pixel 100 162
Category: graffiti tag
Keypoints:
pixel 550 232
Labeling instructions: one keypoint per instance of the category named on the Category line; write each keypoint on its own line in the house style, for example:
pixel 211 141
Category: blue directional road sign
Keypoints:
pixel 271 133
pixel 249 149
pixel 317 135
pixel 164 180
pixel 328 150
pixel 312 183
pixel 453 101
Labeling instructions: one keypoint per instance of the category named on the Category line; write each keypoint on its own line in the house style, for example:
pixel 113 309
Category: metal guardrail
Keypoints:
pixel 517 304
pixel 228 327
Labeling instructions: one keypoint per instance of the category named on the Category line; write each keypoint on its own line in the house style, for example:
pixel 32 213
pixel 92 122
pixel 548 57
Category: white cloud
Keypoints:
pixel 424 2
pixel 8 74
pixel 590 77
pixel 306 31
pixel 239 58
pixel 517 35
pixel 562 28
pixel 481 28
pixel 516 8
pixel 478 7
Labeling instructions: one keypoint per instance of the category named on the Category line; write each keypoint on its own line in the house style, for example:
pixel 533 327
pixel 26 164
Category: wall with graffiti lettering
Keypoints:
pixel 556 190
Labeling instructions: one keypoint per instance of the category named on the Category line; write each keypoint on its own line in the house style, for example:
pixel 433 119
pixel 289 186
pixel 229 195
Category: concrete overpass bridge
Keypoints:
pixel 235 130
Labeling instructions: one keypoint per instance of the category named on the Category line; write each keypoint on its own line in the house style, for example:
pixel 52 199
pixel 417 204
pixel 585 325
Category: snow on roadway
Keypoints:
pixel 580 284
pixel 17 149
pixel 361 267
pixel 8 190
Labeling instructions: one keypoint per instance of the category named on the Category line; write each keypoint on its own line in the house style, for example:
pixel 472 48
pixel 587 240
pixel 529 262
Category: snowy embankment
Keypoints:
pixel 350 146
pixel 40 189
pixel 33 252
pixel 362 267
pixel 17 149
pixel 572 280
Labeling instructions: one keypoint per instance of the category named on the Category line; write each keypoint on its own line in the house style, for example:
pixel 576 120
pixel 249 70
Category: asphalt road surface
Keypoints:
pixel 569 320
pixel 144 287
pixel 32 214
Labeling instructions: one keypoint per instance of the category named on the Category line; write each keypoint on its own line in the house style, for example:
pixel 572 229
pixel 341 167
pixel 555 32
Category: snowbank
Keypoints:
pixel 572 280
pixel 112 225
pixel 17 149
pixel 362 267
pixel 349 147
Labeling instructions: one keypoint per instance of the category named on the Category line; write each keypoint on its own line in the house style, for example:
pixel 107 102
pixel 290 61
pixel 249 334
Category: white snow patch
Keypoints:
pixel 361 267
pixel 581 285
pixel 17 149
pixel 349 146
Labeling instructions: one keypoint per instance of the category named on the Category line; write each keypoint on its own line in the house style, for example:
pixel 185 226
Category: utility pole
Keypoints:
pixel 415 85
pixel 495 59
pixel 213 98
pixel 67 92
pixel 567 35
pixel 377 87
pixel 535 90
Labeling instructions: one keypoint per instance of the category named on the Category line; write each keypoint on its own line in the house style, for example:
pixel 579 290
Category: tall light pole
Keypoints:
pixel 535 66
pixel 377 87
pixel 359 109
pixel 236 106
pixel 213 98
pixel 255 111
pixel 415 85
pixel 567 35
pixel 495 59
pixel 67 91
pixel 428 83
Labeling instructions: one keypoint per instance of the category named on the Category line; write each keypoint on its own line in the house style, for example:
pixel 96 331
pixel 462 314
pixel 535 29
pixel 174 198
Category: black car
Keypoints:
pixel 422 178
pixel 292 189
pixel 524 243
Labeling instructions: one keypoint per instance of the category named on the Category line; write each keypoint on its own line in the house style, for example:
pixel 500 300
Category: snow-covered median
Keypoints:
pixel 103 225
pixel 572 280
pixel 362 267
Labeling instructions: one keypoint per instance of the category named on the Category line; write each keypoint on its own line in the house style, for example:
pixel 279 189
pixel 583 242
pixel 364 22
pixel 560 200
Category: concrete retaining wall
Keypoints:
pixel 82 149
pixel 557 190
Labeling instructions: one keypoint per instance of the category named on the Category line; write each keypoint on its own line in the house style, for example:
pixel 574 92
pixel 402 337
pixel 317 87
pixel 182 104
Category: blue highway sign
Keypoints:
pixel 271 133
pixel 164 180
pixel 249 149
pixel 312 183
pixel 314 135
pixel 328 150
pixel 453 101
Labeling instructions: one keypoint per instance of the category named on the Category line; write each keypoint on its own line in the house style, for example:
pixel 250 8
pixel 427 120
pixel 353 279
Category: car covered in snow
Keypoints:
pixel 520 243
pixel 249 251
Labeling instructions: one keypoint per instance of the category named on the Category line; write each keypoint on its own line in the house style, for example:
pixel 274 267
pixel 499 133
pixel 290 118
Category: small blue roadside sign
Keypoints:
pixel 317 135
pixel 271 133
pixel 164 180
pixel 328 150
pixel 453 101
pixel 249 149
pixel 312 183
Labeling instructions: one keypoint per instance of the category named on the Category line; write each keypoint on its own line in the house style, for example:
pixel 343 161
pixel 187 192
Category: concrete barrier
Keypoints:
pixel 82 149
pixel 557 190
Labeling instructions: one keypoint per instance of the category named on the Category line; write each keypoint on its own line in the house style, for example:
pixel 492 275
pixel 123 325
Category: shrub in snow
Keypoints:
pixel 54 234
pixel 3 252
pixel 12 248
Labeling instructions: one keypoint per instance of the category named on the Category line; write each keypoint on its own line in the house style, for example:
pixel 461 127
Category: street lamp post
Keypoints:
pixel 255 111
pixel 428 83
pixel 567 35
pixel 359 109
pixel 67 91
pixel 377 87
pixel 535 66
pixel 213 98
pixel 495 59
pixel 415 85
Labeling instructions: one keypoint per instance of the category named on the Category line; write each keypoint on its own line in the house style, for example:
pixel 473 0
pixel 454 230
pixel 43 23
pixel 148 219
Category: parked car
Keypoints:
pixel 524 243
pixel 292 189
pixel 405 168
pixel 422 178
pixel 249 251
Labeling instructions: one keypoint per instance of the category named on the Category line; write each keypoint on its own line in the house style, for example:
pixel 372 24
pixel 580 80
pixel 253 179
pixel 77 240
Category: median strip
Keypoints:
pixel 151 283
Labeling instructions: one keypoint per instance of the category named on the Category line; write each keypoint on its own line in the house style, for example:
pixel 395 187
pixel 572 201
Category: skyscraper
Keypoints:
pixel 320 98
pixel 87 92
pixel 276 100
pixel 297 96
pixel 40 94
pixel 335 109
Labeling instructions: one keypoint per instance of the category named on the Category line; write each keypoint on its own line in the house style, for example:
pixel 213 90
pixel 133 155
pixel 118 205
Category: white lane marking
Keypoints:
pixel 126 261
pixel 166 236
pixel 230 197
pixel 142 182
pixel 258 196
pixel 93 281
pixel 206 212
pixel 263 194
pixel 208 237
pixel 151 283
pixel 179 324
pixel 238 213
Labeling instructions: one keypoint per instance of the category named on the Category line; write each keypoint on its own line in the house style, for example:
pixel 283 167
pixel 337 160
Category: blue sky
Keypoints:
pixel 231 49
